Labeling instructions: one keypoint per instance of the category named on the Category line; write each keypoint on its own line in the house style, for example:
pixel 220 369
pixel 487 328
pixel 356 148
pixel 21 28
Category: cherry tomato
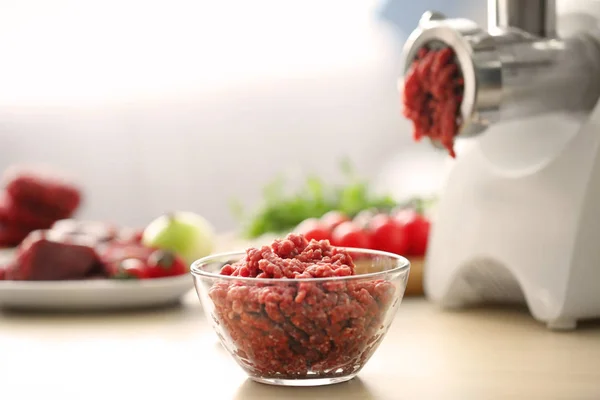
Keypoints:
pixel 163 263
pixel 348 234
pixel 405 215
pixel 313 228
pixel 129 268
pixel 363 218
pixel 332 219
pixel 387 234
pixel 417 227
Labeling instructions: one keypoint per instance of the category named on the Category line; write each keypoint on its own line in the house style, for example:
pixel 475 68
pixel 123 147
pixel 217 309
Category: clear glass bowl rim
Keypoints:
pixel 403 264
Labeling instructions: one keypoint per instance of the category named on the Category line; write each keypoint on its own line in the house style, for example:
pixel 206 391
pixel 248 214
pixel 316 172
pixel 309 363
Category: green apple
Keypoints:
pixel 187 234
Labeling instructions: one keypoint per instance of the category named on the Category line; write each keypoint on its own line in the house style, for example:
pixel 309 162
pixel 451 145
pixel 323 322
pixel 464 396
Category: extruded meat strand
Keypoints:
pixel 432 95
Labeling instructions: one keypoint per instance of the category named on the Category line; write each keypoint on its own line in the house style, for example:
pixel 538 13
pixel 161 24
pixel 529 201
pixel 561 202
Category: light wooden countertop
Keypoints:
pixel 172 353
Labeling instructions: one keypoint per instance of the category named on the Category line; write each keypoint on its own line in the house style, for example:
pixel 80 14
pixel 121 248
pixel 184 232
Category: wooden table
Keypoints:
pixel 172 353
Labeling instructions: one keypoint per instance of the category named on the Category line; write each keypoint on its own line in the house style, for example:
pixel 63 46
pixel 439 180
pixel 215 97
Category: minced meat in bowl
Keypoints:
pixel 300 313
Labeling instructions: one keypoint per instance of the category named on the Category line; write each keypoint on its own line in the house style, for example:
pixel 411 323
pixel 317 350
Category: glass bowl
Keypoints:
pixel 303 332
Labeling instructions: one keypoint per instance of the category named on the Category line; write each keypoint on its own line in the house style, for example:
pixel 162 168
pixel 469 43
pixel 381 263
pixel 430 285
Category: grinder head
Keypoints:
pixel 475 58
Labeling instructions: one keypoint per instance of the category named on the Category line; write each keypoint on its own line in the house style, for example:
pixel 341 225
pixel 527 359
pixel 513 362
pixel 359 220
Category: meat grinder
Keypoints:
pixel 518 220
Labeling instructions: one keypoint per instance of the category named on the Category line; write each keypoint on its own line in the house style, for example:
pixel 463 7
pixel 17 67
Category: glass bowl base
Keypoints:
pixel 303 382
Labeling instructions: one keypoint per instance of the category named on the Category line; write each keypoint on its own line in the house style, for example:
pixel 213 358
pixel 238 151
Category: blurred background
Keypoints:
pixel 180 104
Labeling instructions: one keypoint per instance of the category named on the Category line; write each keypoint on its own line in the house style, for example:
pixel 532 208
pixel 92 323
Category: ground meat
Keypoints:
pixel 294 330
pixel 432 96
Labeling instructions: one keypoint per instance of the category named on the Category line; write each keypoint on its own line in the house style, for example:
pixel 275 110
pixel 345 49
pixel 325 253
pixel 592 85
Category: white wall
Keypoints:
pixel 172 104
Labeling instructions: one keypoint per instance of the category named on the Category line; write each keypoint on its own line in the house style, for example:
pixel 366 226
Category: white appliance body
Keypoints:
pixel 519 217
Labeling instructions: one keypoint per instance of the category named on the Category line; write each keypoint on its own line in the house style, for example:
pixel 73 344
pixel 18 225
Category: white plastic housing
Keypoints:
pixel 519 217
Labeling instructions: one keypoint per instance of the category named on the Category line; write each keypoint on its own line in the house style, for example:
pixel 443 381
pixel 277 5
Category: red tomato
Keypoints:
pixel 348 234
pixel 313 228
pixel 332 219
pixel 388 235
pixel 405 215
pixel 417 227
pixel 129 268
pixel 162 263
pixel 363 218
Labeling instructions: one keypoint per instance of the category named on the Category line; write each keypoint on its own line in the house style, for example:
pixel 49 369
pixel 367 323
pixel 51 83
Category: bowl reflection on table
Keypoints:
pixel 303 332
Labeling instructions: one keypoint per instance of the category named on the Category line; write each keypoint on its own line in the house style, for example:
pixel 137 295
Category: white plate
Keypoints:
pixel 101 294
